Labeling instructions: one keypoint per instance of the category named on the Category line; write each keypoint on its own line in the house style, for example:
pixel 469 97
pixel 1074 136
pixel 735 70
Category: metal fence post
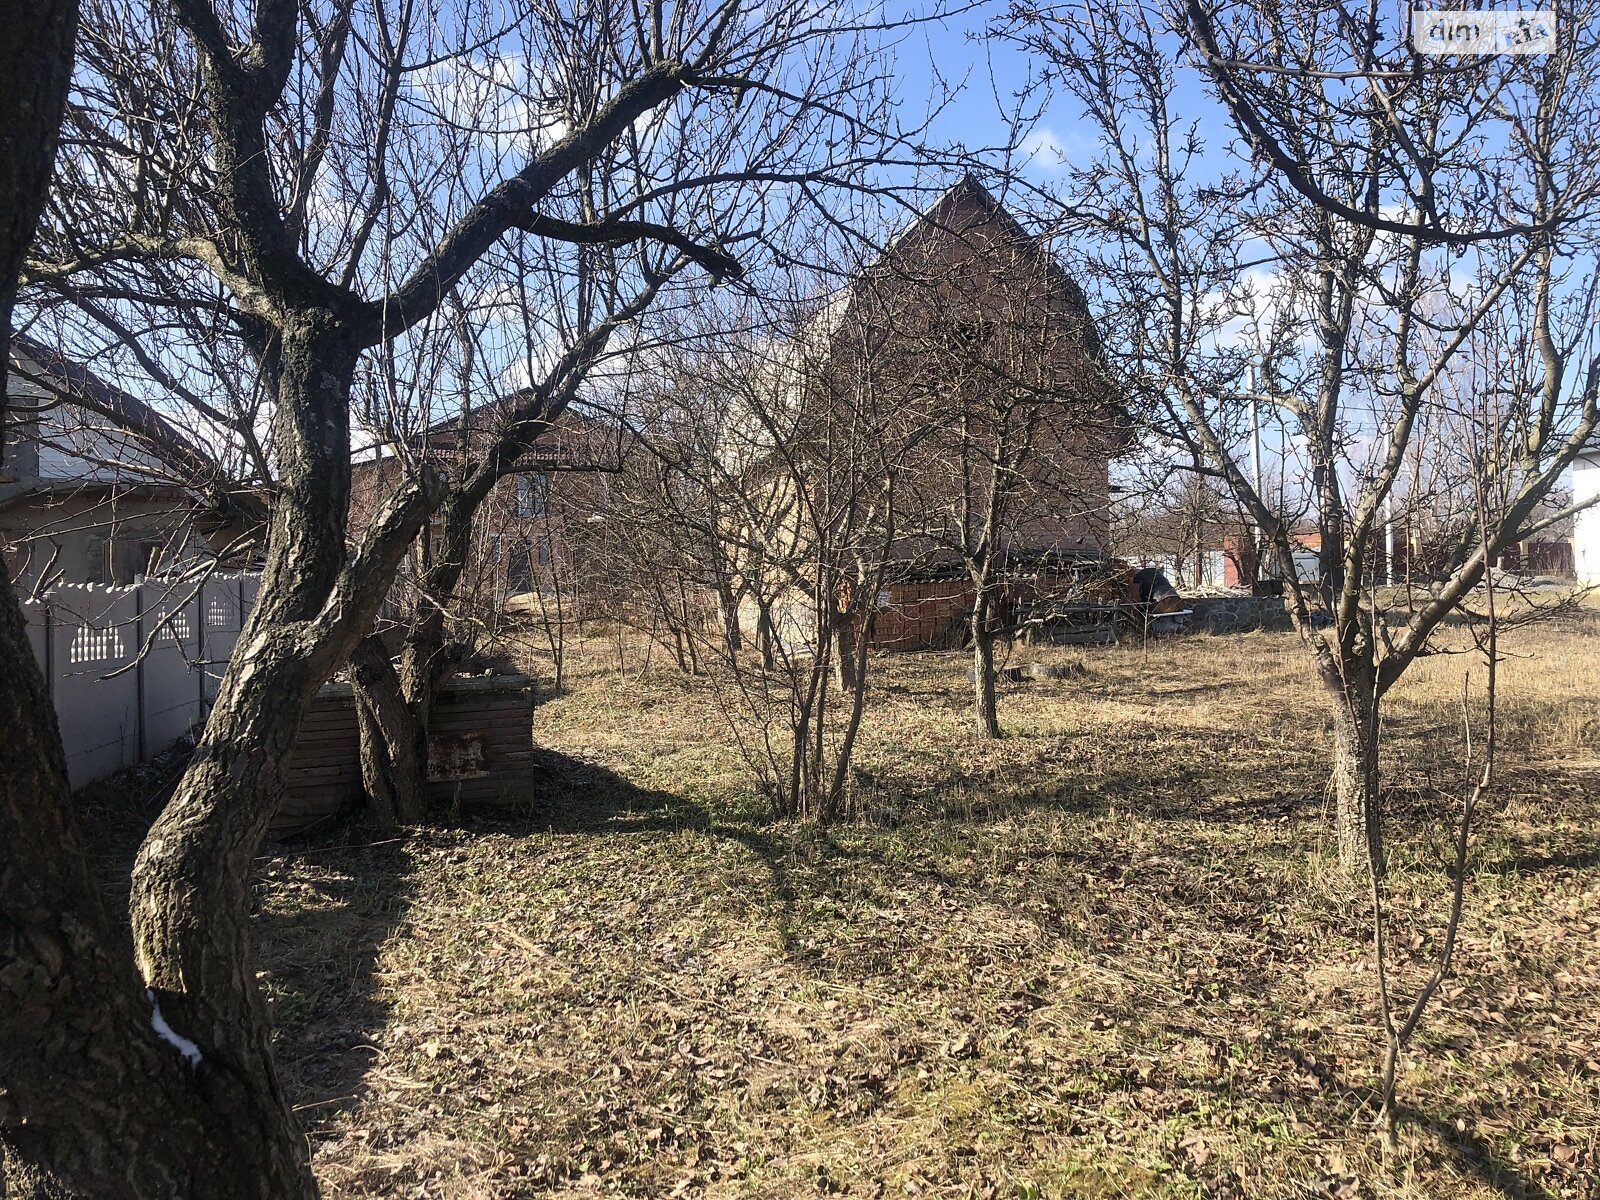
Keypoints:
pixel 200 646
pixel 138 665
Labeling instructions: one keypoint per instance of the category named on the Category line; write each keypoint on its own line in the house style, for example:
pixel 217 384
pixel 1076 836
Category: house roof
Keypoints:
pixel 573 441
pixel 965 206
pixel 77 385
pixel 961 208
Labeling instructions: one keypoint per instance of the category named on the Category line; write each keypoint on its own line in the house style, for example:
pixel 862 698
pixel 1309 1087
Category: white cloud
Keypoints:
pixel 1043 150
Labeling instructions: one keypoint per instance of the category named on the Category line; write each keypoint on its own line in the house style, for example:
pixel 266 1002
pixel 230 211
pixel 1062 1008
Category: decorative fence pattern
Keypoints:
pixel 132 669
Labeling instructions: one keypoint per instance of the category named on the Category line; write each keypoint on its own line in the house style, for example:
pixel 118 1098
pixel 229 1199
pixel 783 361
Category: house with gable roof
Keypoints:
pixel 971 332
pixel 97 487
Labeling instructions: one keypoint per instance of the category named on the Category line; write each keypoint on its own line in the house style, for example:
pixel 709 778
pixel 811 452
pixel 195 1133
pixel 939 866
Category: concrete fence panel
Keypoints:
pixel 94 651
pixel 171 691
pixel 132 669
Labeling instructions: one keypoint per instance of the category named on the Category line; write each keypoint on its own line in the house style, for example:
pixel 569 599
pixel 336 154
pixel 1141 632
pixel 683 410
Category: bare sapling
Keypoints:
pixel 1478 775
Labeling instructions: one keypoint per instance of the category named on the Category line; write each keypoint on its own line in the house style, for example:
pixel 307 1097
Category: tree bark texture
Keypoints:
pixel 986 702
pixel 94 1101
pixel 36 63
pixel 1358 812
pixel 845 666
pixel 395 706
pixel 99 1097
pixel 190 903
pixel 766 636
pixel 393 745
pixel 728 603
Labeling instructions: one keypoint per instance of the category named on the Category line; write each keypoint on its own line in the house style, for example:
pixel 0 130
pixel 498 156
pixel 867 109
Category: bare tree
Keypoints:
pixel 1356 320
pixel 486 442
pixel 1478 777
pixel 306 184
pixel 766 480
pixel 993 349
pixel 98 1096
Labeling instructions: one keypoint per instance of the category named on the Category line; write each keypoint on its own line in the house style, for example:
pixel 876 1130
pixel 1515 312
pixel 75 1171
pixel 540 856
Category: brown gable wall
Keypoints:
pixel 962 302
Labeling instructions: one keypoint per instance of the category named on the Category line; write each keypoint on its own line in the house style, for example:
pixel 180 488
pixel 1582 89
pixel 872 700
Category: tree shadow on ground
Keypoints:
pixel 328 906
pixel 1055 773
pixel 1470 1149
pixel 1525 856
pixel 332 900
pixel 575 796
pixel 805 865
pixel 326 902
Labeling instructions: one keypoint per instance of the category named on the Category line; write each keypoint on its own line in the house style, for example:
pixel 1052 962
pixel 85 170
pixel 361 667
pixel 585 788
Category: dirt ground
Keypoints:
pixel 1107 956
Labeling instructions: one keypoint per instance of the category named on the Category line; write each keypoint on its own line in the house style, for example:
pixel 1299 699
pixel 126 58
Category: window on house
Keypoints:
pixel 131 558
pixel 533 495
pixel 519 572
pixel 962 336
pixel 969 335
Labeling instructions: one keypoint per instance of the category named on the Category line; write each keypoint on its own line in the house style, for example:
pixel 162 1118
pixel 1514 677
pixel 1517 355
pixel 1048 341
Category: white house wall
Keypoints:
pixel 1586 529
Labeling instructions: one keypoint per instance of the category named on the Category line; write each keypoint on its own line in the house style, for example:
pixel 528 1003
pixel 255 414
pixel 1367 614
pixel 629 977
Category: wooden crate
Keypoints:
pixel 480 750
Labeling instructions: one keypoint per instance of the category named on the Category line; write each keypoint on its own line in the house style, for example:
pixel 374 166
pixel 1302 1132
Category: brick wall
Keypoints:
pixel 922 616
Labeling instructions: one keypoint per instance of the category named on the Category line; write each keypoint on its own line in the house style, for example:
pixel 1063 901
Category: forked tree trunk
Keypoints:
pixel 986 705
pixel 393 741
pixel 1357 814
pixel 191 895
pixel 394 706
pixel 98 1098
pixel 847 740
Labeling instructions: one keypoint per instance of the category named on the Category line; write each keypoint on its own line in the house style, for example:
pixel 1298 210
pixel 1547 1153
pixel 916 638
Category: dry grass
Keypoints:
pixel 1107 956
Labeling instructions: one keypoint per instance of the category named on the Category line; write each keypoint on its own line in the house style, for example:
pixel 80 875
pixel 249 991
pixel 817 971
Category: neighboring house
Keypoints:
pixel 1234 563
pixel 523 532
pixel 1586 528
pixel 97 487
pixel 973 335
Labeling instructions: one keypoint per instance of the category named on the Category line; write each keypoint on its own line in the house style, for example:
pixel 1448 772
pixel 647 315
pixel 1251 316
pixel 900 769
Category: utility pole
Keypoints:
pixel 1255 466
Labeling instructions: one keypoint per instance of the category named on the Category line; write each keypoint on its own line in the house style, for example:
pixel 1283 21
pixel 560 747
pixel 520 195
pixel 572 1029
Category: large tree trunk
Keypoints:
pixel 95 1101
pixel 99 1096
pixel 190 903
pixel 36 63
pixel 987 707
pixel 1357 815
pixel 191 881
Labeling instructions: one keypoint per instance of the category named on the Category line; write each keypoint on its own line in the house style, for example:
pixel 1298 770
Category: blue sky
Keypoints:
pixel 991 72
